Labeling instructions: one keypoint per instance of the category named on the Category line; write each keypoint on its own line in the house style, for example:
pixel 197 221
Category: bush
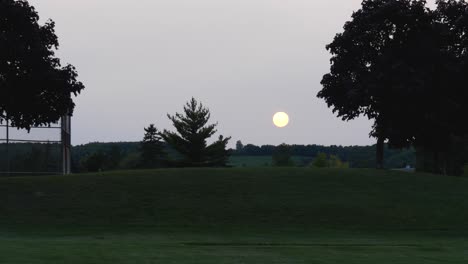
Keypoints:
pixel 320 161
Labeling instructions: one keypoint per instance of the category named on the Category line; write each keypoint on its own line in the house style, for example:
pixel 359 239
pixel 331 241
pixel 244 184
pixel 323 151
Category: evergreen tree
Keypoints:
pixel 218 154
pixel 152 152
pixel 190 140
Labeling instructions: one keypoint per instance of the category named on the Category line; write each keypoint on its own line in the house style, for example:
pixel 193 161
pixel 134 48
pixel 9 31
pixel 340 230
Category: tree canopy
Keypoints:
pixel 399 63
pixel 190 140
pixel 35 88
pixel 282 156
pixel 152 148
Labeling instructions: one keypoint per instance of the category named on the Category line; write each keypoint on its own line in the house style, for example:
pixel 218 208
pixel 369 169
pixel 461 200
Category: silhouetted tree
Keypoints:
pixel 152 149
pixel 384 64
pixel 282 156
pixel 218 153
pixel 190 140
pixel 239 146
pixel 35 88
pixel 446 139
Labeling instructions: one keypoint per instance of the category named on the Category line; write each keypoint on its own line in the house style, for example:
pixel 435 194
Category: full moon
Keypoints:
pixel 281 119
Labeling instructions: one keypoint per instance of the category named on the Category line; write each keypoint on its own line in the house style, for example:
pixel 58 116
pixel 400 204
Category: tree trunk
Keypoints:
pixel 380 153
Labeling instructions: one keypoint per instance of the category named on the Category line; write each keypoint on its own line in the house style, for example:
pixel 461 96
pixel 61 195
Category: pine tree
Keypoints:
pixel 152 152
pixel 190 140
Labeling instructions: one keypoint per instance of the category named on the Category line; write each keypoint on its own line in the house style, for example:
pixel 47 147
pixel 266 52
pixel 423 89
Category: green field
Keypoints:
pixel 264 161
pixel 265 215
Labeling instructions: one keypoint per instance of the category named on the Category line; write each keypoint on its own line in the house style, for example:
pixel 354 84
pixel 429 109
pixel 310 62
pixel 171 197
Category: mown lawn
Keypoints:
pixel 264 215
pixel 265 161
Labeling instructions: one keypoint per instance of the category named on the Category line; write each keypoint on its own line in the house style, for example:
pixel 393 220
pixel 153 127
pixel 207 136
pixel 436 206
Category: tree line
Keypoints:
pixel 356 156
pixel 128 155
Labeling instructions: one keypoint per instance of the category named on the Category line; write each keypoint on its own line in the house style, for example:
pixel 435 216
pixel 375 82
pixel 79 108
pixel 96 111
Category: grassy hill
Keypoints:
pixel 265 161
pixel 264 215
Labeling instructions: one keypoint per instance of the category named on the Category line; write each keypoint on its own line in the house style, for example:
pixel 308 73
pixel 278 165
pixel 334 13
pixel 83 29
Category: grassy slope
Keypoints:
pixel 262 215
pixel 264 161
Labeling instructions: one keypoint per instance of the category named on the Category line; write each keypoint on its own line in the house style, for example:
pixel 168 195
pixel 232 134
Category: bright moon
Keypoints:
pixel 281 119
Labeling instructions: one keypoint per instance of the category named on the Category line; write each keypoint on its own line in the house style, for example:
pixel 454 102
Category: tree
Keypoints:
pixel 114 157
pixel 320 161
pixel 446 148
pixel 282 156
pixel 95 162
pixel 152 149
pixel 218 154
pixel 388 55
pixel 190 140
pixel 239 146
pixel 35 88
pixel 335 162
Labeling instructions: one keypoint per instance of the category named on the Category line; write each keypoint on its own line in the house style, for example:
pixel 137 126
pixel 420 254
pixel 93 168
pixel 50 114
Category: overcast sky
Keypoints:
pixel 244 59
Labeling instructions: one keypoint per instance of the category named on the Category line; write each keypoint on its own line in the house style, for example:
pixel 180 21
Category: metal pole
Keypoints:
pixel 7 146
pixel 62 142
pixel 66 144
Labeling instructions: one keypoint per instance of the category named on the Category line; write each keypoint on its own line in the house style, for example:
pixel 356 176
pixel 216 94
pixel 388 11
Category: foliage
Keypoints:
pixel 255 156
pixel 335 162
pixel 152 149
pixel 320 161
pixel 115 157
pixel 36 89
pixel 190 140
pixel 282 156
pixel 385 41
pixel 95 162
pixel 128 151
pixel 239 146
pixel 400 51
pixel 130 161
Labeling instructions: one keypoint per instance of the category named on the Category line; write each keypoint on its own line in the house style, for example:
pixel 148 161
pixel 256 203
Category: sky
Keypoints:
pixel 243 59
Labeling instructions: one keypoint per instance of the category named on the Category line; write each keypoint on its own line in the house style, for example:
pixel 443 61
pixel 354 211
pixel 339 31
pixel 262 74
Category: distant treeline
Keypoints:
pixel 356 156
pixel 127 155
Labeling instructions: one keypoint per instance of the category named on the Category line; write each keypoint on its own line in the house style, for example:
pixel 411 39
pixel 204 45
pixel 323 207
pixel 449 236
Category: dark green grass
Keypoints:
pixel 264 161
pixel 263 215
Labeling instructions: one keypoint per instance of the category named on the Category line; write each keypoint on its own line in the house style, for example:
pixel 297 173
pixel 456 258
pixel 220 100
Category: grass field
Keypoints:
pixel 264 161
pixel 266 215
